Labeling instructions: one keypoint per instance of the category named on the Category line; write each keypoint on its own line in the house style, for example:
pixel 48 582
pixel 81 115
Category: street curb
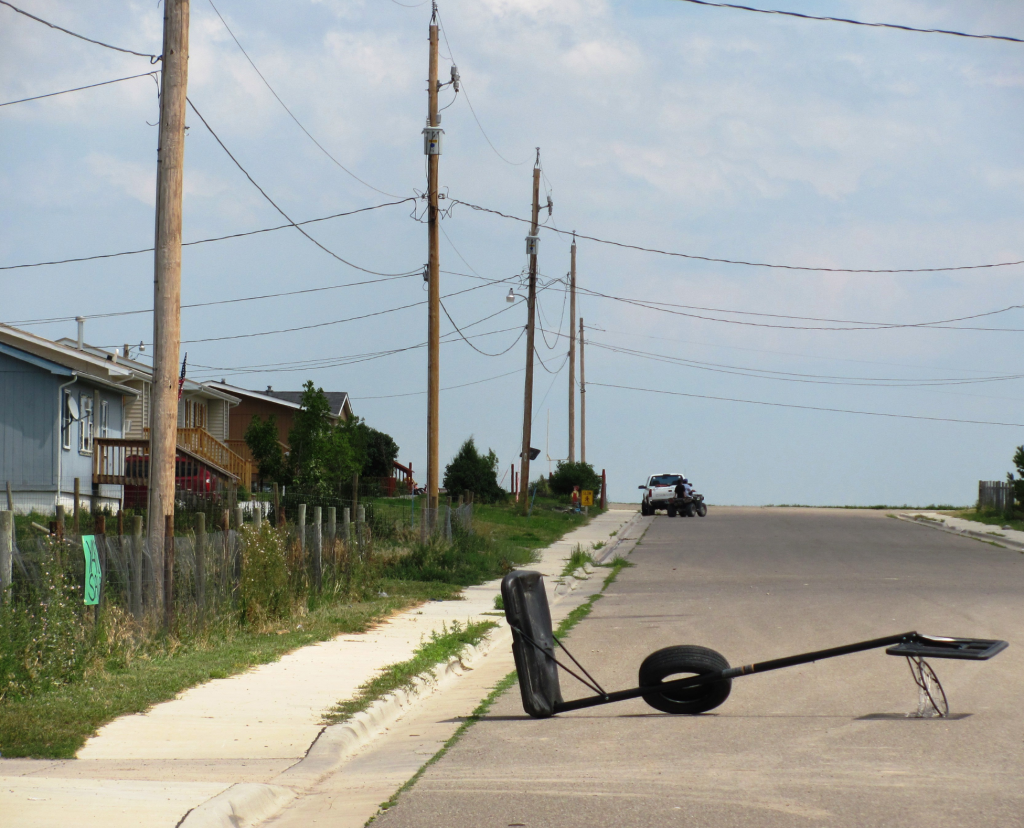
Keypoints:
pixel 247 804
pixel 242 805
pixel 964 533
pixel 620 539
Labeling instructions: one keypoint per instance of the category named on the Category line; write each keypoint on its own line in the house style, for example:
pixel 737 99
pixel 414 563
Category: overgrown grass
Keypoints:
pixel 55 724
pixel 120 668
pixel 579 557
pixel 437 650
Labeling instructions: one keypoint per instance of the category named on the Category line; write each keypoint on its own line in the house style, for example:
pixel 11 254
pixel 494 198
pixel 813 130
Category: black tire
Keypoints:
pixel 644 510
pixel 690 510
pixel 702 509
pixel 678 662
pixel 671 511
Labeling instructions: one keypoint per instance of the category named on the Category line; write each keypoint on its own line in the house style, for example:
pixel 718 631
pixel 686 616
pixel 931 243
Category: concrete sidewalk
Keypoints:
pixel 229 741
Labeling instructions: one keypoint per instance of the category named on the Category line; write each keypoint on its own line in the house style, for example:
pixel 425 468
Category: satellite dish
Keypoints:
pixel 73 408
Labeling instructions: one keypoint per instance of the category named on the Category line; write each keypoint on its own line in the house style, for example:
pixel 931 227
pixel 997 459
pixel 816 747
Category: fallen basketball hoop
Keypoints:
pixel 704 676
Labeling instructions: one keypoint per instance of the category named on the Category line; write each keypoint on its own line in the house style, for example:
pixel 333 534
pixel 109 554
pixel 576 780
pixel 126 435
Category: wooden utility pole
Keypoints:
pixel 432 149
pixel 572 352
pixel 167 279
pixel 583 402
pixel 531 308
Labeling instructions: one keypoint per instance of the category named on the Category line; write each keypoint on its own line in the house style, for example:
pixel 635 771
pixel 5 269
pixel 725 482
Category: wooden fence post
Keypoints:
pixel 360 527
pixel 318 558
pixel 100 533
pixel 201 562
pixel 6 554
pixel 10 497
pixel 301 526
pixel 137 567
pixel 278 517
pixel 76 526
pixel 168 572
pixel 332 534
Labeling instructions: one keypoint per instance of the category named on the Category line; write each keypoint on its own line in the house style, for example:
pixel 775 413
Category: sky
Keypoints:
pixel 661 124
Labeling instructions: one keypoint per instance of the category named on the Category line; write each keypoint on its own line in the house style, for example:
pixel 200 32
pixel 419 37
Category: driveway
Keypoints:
pixel 825 744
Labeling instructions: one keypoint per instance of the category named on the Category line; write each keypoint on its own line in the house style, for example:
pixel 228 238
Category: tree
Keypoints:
pixel 322 453
pixel 472 471
pixel 1018 483
pixel 261 438
pixel 380 452
pixel 569 474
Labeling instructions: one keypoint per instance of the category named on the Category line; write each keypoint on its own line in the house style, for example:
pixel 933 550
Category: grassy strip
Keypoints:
pixel 570 621
pixel 55 724
pixel 440 648
pixel 989 518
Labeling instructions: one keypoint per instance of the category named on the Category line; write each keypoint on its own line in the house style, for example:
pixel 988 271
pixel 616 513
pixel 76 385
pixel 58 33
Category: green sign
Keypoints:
pixel 93 571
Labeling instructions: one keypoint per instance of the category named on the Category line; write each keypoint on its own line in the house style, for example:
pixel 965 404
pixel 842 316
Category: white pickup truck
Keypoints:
pixel 658 491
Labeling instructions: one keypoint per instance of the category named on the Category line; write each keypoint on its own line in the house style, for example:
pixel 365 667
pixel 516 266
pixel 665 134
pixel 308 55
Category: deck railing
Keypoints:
pixel 199 441
pixel 112 463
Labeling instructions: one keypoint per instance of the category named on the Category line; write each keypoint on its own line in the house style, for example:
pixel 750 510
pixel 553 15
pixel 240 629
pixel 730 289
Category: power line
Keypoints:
pixel 290 113
pixel 54 319
pixel 274 204
pixel 324 324
pixel 814 379
pixel 937 325
pixel 78 89
pixel 152 58
pixel 854 22
pixel 471 345
pixel 652 302
pixel 469 103
pixel 327 362
pixel 804 407
pixel 740 261
pixel 214 239
pixel 446 388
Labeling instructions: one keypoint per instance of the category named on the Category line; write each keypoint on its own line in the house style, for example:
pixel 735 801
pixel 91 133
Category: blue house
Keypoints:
pixel 56 400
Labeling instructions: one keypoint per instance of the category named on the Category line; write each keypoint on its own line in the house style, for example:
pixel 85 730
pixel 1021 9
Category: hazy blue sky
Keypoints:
pixel 663 124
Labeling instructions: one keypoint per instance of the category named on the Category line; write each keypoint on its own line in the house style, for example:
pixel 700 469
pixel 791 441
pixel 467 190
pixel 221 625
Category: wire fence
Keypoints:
pixel 321 548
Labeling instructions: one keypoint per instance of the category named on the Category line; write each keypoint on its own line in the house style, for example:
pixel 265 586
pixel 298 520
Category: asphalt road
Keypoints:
pixel 825 744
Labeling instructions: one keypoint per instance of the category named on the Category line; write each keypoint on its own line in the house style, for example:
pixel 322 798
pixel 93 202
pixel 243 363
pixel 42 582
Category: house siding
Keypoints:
pixel 28 417
pixel 30 435
pixel 243 413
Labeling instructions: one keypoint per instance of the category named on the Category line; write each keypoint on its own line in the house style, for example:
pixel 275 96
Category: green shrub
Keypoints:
pixel 474 472
pixel 263 592
pixel 569 474
pixel 540 487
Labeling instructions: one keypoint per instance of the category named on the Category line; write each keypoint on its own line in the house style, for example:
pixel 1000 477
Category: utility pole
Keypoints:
pixel 432 149
pixel 532 243
pixel 163 430
pixel 583 402
pixel 572 352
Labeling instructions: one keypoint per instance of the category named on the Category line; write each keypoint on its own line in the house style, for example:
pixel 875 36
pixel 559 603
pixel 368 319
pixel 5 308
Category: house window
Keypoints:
pixel 65 422
pixel 104 419
pixel 195 414
pixel 85 424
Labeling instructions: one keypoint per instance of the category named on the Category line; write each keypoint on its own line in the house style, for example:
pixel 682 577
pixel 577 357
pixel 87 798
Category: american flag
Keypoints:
pixel 181 379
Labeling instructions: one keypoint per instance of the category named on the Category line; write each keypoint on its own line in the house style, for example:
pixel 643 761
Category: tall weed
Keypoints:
pixel 264 593
pixel 43 643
